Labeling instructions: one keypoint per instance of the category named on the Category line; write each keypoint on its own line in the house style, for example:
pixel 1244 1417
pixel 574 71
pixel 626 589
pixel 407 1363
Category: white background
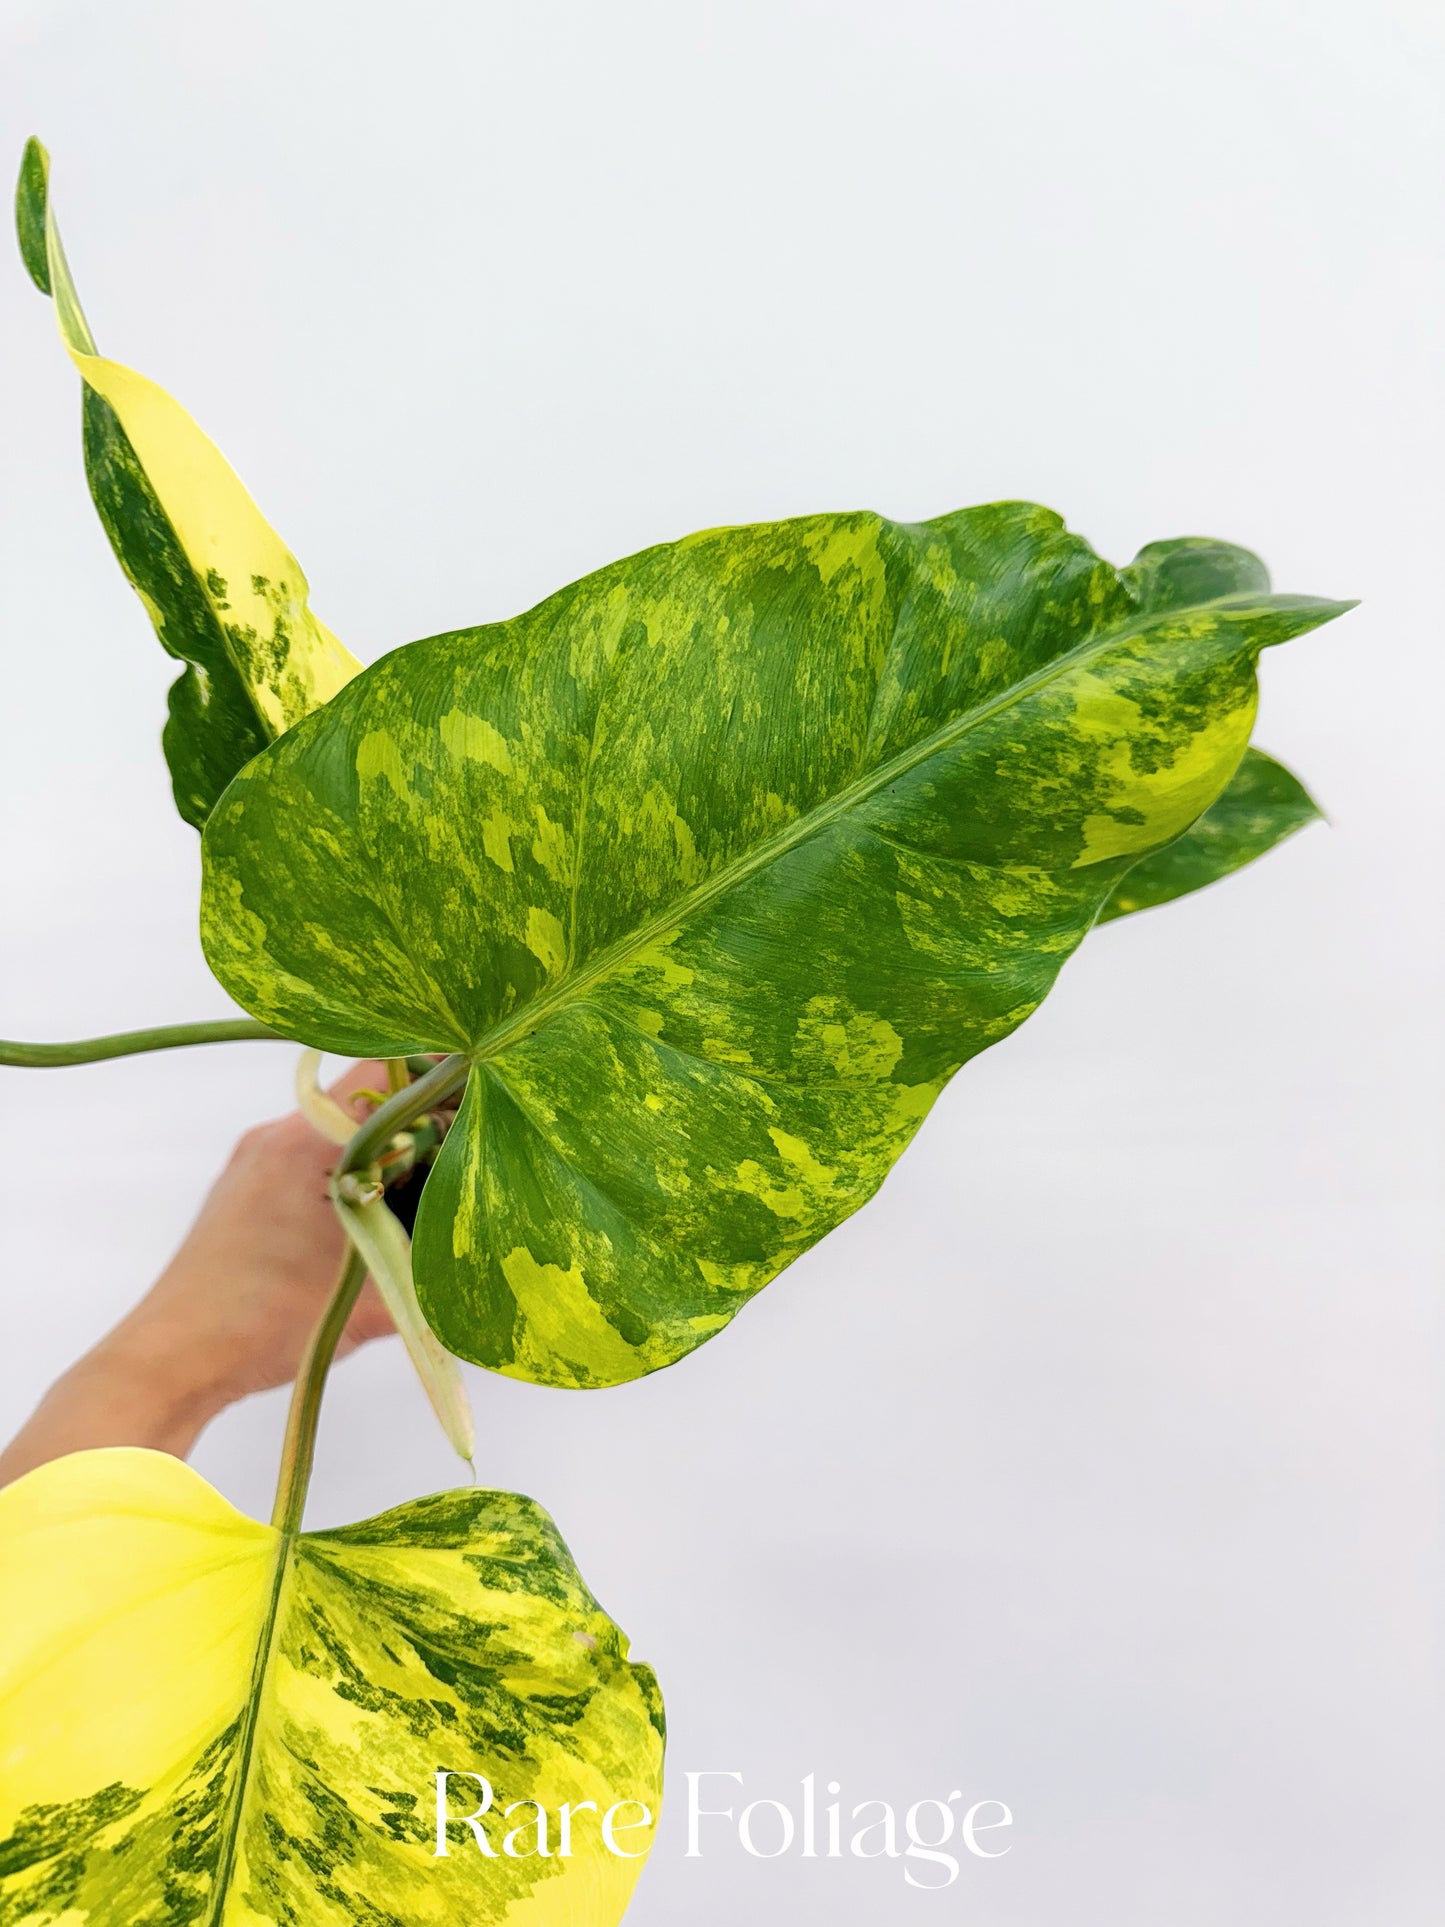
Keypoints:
pixel 1095 1466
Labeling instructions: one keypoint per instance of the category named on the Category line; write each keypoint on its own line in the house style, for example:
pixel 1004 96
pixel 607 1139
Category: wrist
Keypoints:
pixel 147 1386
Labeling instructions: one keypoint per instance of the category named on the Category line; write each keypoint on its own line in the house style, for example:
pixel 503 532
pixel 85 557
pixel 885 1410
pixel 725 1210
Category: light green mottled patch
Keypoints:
pixel 799 1158
pixel 474 739
pixel 562 1324
pixel 378 757
pixel 1170 796
pixel 783 1200
pixel 854 1043
pixel 910 1103
pixel 550 849
pixel 800 818
pixel 547 940
pixel 497 833
pixel 718 1050
pixel 1262 806
pixel 673 974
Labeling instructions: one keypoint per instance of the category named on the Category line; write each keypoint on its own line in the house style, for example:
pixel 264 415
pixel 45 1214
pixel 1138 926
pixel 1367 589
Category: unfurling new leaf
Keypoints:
pixel 226 595
pixel 718 864
pixel 207 1720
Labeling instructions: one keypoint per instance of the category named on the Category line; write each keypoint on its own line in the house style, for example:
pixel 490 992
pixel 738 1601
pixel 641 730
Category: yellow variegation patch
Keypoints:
pixel 1262 806
pixel 205 1720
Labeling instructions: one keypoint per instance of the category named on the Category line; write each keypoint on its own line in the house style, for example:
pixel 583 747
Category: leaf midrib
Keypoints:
pixel 236 1799
pixel 575 983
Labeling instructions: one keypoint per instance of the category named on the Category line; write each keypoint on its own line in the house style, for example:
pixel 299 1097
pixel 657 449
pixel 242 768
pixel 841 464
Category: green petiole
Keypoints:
pixel 126 1043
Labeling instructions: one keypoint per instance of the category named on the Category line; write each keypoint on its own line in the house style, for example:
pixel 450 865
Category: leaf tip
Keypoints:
pixel 1332 607
pixel 31 194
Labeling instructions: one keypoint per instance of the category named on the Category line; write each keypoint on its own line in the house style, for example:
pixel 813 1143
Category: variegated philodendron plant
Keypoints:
pixel 689 889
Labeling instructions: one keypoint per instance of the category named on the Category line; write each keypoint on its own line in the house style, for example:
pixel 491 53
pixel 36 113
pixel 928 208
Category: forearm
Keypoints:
pixel 128 1391
pixel 229 1316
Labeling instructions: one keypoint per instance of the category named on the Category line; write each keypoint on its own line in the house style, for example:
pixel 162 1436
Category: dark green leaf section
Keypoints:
pixel 30 196
pixel 61 1863
pixel 211 727
pixel 719 864
pixel 1189 570
pixel 1262 806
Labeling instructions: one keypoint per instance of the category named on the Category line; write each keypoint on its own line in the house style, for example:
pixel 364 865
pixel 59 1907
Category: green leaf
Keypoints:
pixel 206 1719
pixel 1192 569
pixel 31 194
pixel 1262 806
pixel 225 594
pixel 718 865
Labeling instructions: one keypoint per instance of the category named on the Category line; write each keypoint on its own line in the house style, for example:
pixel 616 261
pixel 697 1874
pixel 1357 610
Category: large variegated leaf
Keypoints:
pixel 205 1721
pixel 226 595
pixel 1263 805
pixel 718 865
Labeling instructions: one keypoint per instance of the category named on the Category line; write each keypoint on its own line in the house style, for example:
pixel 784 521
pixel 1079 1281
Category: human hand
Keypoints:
pixel 231 1312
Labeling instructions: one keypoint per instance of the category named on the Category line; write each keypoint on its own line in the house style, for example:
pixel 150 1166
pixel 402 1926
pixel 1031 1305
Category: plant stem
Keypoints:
pixel 363 1150
pixel 399 1111
pixel 299 1448
pixel 90 1050
pixel 365 1147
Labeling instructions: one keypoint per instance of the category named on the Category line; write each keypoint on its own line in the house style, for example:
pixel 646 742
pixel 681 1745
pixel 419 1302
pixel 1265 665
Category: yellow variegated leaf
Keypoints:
pixel 206 1720
pixel 225 593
